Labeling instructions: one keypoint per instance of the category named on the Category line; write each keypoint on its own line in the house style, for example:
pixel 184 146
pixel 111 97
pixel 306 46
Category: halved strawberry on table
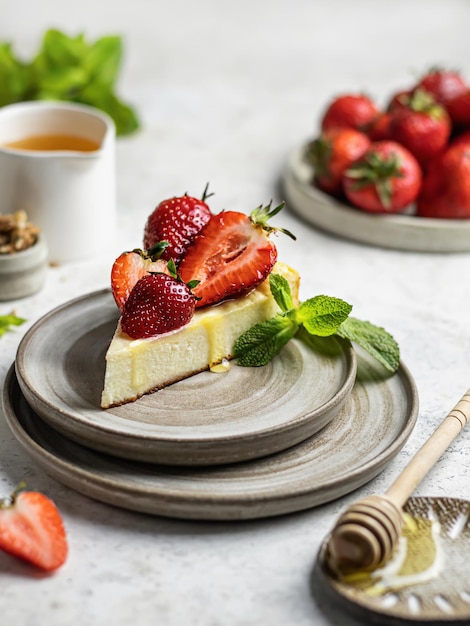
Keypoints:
pixel 32 529
pixel 231 255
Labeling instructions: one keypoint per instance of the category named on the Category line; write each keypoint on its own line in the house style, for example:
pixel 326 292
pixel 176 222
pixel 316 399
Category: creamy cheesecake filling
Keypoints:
pixel 137 366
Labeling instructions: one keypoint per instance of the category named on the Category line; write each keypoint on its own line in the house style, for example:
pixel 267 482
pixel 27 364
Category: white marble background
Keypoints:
pixel 225 91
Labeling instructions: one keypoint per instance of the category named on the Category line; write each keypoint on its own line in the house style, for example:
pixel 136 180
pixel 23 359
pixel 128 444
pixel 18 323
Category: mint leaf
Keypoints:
pixel 281 292
pixel 14 76
pixel 59 51
pixel 70 69
pixel 104 59
pixel 6 321
pixel 375 340
pixel 261 342
pixel 322 315
pixel 124 116
pixel 314 320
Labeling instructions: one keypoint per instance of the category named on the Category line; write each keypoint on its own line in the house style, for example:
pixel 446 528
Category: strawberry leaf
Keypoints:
pixel 263 341
pixel 375 340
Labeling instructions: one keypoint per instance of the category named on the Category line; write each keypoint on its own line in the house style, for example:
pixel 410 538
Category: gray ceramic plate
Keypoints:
pixel 402 232
pixel 444 599
pixel 204 420
pixel 370 429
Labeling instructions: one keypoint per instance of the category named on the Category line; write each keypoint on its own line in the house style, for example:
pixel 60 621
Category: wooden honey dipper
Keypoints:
pixel 366 534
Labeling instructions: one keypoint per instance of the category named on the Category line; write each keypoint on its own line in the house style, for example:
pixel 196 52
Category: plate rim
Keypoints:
pixel 228 506
pixel 304 199
pixel 136 445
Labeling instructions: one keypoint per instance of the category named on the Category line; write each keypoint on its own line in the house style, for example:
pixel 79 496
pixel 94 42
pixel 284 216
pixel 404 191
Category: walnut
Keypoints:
pixel 16 233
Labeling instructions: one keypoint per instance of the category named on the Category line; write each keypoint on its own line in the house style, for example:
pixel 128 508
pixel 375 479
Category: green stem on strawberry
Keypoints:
pixel 321 316
pixel 173 272
pixel 261 215
pixel 155 252
pixel 205 193
pixel 8 501
pixel 376 170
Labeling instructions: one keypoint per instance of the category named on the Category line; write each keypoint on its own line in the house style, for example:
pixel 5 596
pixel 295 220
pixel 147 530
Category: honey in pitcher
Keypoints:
pixel 47 143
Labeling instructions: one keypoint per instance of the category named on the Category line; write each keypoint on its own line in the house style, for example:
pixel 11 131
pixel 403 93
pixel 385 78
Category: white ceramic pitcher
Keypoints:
pixel 69 193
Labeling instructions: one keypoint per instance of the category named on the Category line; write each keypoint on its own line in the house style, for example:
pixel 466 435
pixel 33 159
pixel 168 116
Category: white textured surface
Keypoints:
pixel 225 92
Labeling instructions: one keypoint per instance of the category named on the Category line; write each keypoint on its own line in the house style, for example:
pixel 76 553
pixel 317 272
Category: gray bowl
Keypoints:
pixel 23 273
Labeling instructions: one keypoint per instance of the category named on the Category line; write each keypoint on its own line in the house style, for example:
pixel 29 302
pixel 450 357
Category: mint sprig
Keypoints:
pixel 320 316
pixel 375 340
pixel 7 321
pixel 71 69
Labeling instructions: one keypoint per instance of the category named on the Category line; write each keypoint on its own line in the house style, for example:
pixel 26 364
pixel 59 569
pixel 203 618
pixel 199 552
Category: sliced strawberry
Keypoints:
pixel 231 255
pixel 177 221
pixel 129 267
pixel 31 528
pixel 158 304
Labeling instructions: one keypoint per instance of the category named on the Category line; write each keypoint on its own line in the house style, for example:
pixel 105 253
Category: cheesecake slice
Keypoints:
pixel 135 367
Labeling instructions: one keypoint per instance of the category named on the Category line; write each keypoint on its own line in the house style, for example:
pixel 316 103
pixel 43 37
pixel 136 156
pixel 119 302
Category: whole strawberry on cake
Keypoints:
pixel 200 282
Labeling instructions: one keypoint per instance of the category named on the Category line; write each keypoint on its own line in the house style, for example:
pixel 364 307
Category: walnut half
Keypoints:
pixel 16 233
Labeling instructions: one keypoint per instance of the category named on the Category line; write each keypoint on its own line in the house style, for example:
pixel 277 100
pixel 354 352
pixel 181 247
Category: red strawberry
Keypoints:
pixel 446 187
pixel 386 179
pixel 158 304
pixel 463 138
pixel 379 128
pixel 331 153
pixel 459 109
pixel 443 84
pixel 423 126
pixel 129 267
pixel 399 100
pixel 231 255
pixel 349 111
pixel 177 221
pixel 31 528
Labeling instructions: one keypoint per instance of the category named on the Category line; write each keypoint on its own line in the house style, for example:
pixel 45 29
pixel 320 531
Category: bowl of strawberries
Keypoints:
pixel 397 176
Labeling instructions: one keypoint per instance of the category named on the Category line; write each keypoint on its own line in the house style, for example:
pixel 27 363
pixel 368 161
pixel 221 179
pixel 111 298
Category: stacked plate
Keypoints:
pixel 317 422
